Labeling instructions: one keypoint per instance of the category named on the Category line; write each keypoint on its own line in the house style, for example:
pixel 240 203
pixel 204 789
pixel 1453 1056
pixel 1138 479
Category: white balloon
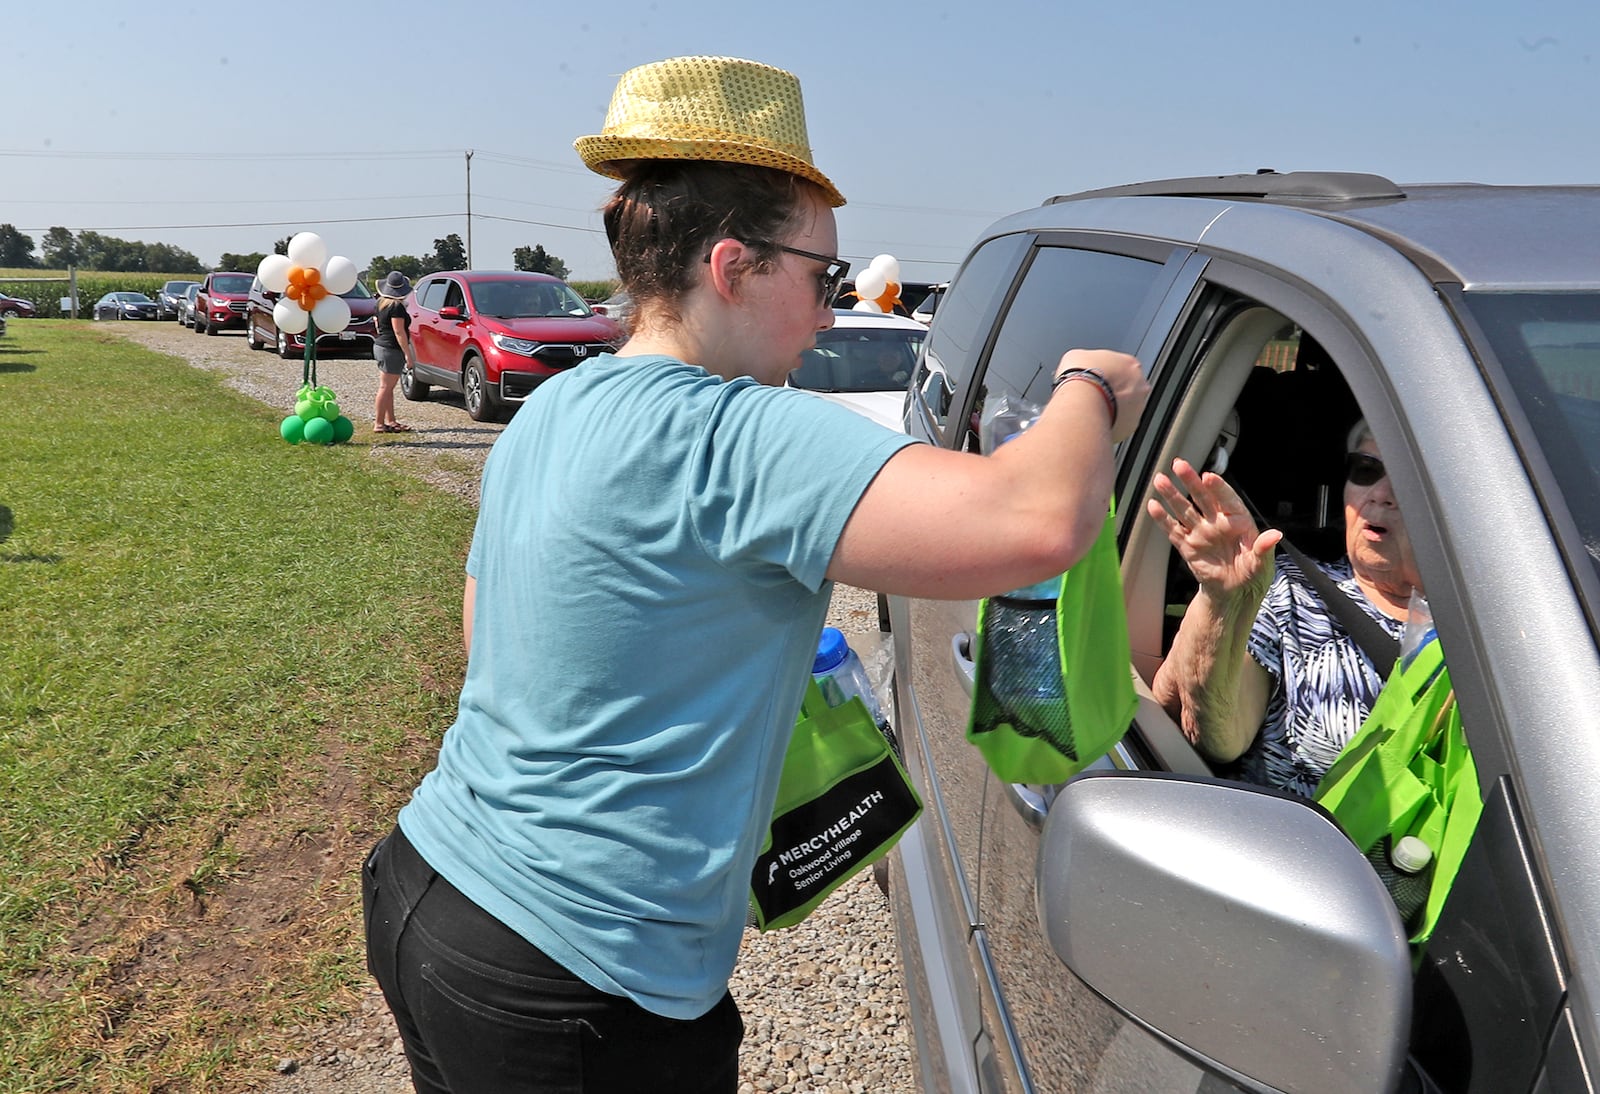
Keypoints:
pixel 307 249
pixel 870 284
pixel 341 274
pixel 274 272
pixel 289 316
pixel 867 305
pixel 331 314
pixel 888 266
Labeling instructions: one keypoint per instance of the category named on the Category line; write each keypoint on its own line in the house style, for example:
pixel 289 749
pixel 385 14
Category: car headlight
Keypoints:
pixel 523 346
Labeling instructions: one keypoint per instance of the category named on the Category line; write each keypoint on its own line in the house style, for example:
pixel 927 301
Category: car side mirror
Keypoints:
pixel 451 312
pixel 1239 924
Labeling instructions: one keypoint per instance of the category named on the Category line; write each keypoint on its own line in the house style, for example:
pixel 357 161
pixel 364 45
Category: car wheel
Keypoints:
pixel 10 313
pixel 475 392
pixel 413 389
pixel 250 338
pixel 211 328
pixel 285 348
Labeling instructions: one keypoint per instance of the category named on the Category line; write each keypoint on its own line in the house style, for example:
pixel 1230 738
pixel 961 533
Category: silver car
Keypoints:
pixel 169 301
pixel 1149 926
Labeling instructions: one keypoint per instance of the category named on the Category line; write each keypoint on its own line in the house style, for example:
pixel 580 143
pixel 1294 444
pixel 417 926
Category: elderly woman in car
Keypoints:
pixel 1262 676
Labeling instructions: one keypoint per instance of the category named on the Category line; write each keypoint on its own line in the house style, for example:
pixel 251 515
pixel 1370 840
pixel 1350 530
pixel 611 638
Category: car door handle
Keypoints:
pixel 961 654
pixel 1031 805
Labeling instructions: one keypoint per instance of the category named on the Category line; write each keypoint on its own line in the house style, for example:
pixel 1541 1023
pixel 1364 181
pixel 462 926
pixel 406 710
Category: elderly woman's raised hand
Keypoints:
pixel 1213 532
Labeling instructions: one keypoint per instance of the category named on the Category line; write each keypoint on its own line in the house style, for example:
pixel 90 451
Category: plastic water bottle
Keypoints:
pixel 1406 867
pixel 840 673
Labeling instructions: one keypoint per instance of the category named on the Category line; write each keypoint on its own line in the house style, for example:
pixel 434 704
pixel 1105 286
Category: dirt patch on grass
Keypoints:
pixel 203 949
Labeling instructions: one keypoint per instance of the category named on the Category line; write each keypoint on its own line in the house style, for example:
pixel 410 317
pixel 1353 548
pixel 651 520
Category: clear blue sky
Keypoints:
pixel 223 127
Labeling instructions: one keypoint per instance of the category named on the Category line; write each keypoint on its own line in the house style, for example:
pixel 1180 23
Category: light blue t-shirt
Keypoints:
pixel 650 559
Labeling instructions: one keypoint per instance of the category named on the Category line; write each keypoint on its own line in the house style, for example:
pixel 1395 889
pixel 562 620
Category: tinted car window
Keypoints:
pixel 453 296
pixel 432 295
pixel 1549 344
pixel 957 338
pixel 1069 298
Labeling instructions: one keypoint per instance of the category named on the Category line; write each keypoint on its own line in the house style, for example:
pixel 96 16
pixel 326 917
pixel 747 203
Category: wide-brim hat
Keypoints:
pixel 706 108
pixel 396 284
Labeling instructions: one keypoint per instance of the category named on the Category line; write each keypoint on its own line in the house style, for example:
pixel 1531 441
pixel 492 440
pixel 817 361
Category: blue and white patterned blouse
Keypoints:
pixel 1323 686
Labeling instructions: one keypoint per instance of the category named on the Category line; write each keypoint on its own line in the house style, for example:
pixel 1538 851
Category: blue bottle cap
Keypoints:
pixel 831 651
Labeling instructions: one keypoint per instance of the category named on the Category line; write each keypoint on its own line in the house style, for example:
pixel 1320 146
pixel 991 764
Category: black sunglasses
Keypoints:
pixel 1361 469
pixel 828 281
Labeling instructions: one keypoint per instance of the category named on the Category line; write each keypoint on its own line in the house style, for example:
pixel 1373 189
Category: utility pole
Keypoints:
pixel 469 208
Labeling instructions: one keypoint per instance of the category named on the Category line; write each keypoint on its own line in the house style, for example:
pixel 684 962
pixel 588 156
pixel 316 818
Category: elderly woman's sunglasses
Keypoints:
pixel 828 281
pixel 1361 469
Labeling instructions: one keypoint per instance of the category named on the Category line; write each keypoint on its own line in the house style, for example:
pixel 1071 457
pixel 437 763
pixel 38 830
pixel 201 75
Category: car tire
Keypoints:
pixel 475 391
pixel 10 313
pixel 211 328
pixel 250 338
pixel 285 350
pixel 413 389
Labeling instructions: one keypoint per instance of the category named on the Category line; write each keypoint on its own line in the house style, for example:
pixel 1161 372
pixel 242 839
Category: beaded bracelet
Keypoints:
pixel 1094 377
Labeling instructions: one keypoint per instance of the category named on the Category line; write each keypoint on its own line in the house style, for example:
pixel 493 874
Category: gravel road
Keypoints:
pixel 823 1003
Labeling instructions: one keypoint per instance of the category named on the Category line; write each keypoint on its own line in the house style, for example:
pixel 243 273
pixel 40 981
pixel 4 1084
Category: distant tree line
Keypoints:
pixel 450 253
pixel 88 250
pixel 60 249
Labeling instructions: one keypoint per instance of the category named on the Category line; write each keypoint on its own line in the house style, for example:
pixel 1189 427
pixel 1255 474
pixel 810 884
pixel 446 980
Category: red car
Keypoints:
pixel 261 330
pixel 222 301
pixel 495 335
pixel 14 307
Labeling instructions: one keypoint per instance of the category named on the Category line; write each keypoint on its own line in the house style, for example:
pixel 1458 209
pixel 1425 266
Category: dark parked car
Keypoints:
pixel 1149 926
pixel 186 305
pixel 169 301
pixel 261 330
pixel 222 301
pixel 494 336
pixel 14 307
pixel 124 305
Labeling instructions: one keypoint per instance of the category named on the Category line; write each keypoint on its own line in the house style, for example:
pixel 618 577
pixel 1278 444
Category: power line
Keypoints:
pixel 250 224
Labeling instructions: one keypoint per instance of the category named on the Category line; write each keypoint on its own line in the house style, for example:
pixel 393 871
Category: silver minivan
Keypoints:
pixel 1150 926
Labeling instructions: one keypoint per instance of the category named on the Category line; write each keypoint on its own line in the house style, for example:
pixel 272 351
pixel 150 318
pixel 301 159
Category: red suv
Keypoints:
pixel 495 335
pixel 221 302
pixel 261 329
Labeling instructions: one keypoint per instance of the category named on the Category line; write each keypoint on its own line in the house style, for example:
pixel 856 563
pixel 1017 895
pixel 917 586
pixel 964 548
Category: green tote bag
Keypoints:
pixel 843 802
pixel 1408 772
pixel 1052 689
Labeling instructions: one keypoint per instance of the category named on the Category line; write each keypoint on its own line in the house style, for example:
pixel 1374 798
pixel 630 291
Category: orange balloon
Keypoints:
pixel 313 275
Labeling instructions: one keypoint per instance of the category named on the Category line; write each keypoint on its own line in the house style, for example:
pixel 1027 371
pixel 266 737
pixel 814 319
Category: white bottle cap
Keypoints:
pixel 1410 854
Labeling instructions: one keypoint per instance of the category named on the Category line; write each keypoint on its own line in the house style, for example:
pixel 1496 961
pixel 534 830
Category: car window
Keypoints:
pixel 855 359
pixel 956 340
pixel 1549 344
pixel 431 295
pixel 235 283
pixel 453 296
pixel 1069 298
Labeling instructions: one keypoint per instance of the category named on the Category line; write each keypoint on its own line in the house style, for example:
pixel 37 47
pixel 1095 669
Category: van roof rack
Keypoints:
pixel 1263 185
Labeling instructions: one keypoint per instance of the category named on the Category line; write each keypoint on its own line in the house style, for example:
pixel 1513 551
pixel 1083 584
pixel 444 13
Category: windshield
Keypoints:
pixel 859 359
pixel 527 299
pixel 134 298
pixel 239 283
pixel 1549 344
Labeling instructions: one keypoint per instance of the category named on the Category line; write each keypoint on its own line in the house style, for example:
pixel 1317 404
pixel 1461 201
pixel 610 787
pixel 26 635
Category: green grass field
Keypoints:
pixel 227 661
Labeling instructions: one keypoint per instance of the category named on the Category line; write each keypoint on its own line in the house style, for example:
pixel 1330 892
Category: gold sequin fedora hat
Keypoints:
pixel 706 108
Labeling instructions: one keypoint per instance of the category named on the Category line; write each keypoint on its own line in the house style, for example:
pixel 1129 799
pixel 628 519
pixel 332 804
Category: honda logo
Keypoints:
pixel 580 351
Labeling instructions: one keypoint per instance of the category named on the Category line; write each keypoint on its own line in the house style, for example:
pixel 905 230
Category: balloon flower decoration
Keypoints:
pixel 878 286
pixel 309 283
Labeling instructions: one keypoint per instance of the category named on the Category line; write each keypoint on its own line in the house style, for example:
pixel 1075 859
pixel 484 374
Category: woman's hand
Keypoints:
pixel 1213 532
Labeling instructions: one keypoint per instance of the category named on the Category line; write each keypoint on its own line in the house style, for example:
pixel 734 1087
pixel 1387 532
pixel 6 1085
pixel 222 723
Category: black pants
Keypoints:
pixel 481 1011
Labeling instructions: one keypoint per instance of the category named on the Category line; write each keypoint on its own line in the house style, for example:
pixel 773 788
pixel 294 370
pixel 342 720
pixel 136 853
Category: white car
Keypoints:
pixel 863 362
